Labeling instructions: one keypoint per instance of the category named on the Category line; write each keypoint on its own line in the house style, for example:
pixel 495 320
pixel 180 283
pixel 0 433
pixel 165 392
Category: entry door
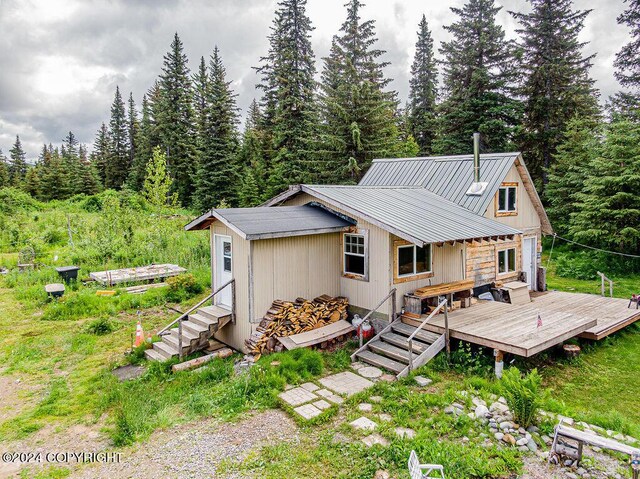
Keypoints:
pixel 529 256
pixel 223 262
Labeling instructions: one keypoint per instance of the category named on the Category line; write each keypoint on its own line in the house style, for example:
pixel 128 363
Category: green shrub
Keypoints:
pixel 13 200
pixel 183 286
pixel 101 326
pixel 522 394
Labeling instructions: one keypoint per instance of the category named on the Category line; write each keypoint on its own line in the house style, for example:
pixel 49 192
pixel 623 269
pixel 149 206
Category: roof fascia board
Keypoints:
pixel 289 234
pixel 285 195
pixel 200 219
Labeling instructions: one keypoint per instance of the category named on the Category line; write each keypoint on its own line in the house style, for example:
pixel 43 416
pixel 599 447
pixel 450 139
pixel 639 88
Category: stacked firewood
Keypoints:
pixel 286 318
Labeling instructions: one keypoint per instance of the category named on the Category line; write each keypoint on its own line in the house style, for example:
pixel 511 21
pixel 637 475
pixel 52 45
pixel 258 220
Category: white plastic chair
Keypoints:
pixel 423 471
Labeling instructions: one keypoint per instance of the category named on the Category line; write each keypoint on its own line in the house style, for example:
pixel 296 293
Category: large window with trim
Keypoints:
pixel 506 261
pixel 507 198
pixel 413 260
pixel 356 255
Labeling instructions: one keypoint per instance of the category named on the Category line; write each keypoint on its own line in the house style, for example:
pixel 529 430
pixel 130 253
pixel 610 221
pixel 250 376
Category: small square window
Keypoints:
pixel 507 199
pixel 507 261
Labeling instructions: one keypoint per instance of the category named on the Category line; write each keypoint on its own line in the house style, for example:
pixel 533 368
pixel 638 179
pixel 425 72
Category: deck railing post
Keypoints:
pixel 446 331
pixel 410 354
pixel 393 305
pixel 233 301
pixel 180 339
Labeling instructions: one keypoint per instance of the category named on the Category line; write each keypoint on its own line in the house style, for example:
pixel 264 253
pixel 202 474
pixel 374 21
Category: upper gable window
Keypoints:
pixel 507 198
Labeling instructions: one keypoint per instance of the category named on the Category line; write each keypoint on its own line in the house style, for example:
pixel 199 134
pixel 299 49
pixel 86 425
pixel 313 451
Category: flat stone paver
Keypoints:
pixel 308 411
pixel 297 396
pixel 363 423
pixel 357 365
pixel 365 407
pixel 322 404
pixel 310 387
pixel 374 439
pixel 376 399
pixel 335 399
pixel 346 383
pixel 385 417
pixel 405 432
pixel 325 393
pixel 370 372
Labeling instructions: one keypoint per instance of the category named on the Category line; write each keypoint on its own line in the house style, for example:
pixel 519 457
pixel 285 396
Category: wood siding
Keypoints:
pixel 482 262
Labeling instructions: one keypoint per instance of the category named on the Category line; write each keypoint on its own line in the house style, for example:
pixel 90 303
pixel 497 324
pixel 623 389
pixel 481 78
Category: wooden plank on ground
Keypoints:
pixel 316 336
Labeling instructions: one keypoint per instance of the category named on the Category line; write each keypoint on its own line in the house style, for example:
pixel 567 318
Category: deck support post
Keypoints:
pixel 499 362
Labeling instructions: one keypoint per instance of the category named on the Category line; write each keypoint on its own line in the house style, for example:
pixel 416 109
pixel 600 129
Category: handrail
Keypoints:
pixel 392 294
pixel 603 278
pixel 419 328
pixel 180 318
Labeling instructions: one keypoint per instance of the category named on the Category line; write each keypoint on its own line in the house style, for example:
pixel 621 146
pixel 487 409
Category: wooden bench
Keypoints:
pixel 559 447
pixel 413 301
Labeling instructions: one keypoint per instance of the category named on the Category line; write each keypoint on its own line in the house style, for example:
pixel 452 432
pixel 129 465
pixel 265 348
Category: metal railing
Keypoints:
pixel 603 278
pixel 419 328
pixel 184 315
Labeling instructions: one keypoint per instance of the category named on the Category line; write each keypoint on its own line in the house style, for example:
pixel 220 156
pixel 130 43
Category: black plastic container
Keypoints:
pixel 68 273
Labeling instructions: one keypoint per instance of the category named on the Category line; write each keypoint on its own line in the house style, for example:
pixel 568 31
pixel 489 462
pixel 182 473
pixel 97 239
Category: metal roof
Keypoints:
pixel 263 223
pixel 412 213
pixel 446 176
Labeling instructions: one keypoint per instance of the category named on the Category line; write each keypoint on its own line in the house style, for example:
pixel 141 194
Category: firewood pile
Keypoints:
pixel 286 318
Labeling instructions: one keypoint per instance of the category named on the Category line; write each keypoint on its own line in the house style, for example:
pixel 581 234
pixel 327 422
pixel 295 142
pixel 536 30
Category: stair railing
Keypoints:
pixel 392 295
pixel 419 328
pixel 603 278
pixel 184 315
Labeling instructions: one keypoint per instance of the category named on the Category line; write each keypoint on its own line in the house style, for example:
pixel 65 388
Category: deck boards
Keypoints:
pixel 134 275
pixel 513 328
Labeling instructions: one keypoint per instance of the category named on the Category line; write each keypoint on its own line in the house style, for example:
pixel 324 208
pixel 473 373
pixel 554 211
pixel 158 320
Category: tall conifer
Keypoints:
pixel 117 166
pixel 17 164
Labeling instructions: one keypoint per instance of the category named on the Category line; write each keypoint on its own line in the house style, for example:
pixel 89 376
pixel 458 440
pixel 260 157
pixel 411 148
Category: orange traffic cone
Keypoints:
pixel 139 334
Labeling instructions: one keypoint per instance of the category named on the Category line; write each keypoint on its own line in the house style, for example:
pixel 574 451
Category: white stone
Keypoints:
pixel 376 399
pixel 385 417
pixel 308 411
pixel 370 372
pixel 310 387
pixel 364 423
pixel 374 439
pixel 365 407
pixel 481 411
pixel 325 393
pixel 522 441
pixel 405 432
pixel 498 436
pixel 322 404
pixel 422 381
pixel 357 365
pixel 566 420
pixel 335 399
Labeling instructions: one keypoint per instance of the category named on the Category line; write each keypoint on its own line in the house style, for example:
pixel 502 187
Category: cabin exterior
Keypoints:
pixel 410 223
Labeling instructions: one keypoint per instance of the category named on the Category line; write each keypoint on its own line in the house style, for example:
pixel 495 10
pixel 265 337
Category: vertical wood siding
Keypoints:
pixel 482 260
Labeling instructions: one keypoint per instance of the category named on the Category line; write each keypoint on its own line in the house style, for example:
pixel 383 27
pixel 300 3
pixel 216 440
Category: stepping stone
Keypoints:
pixel 335 399
pixel 422 381
pixel 385 417
pixel 376 399
pixel 370 372
pixel 297 396
pixel 346 383
pixel 325 393
pixel 374 439
pixel 388 378
pixel 322 404
pixel 357 365
pixel 405 432
pixel 310 387
pixel 363 423
pixel 365 407
pixel 308 411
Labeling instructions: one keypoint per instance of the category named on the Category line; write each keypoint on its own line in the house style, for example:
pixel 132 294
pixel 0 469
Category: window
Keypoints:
pixel 226 255
pixel 507 199
pixel 355 254
pixel 506 261
pixel 413 260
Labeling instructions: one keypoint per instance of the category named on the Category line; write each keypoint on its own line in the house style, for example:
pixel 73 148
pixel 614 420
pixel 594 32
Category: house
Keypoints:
pixel 410 223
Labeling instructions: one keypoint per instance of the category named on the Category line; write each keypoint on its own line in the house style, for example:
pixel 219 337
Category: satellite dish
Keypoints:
pixel 477 188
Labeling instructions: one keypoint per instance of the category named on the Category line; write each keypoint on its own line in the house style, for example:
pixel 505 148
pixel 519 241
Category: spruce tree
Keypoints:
pixel 101 152
pixel 132 130
pixel 117 166
pixel 17 164
pixel 567 175
pixel 253 184
pixel 556 86
pixel 423 88
pixel 32 182
pixel 288 82
pixel 626 104
pixel 358 120
pixel 175 120
pixel 4 171
pixel 609 204
pixel 479 75
pixel 217 175
pixel 146 140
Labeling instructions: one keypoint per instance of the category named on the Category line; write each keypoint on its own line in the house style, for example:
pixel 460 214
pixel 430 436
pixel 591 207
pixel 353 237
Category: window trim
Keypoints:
pixel 355 232
pixel 397 278
pixel 507 185
pixel 515 261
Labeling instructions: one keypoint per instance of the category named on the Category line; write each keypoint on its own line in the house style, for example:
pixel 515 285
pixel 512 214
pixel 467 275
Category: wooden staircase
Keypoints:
pixel 402 346
pixel 197 329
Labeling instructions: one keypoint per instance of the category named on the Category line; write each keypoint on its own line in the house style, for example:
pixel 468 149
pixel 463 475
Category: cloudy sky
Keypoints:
pixel 60 60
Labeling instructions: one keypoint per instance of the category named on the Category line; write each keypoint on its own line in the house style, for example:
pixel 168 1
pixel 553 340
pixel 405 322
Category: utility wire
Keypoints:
pixel 627 255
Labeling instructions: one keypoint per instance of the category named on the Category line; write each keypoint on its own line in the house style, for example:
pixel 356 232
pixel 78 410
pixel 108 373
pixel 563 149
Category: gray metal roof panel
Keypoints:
pixel 447 176
pixel 413 213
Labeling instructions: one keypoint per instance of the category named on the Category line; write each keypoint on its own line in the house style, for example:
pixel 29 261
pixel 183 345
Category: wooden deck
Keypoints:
pixel 513 328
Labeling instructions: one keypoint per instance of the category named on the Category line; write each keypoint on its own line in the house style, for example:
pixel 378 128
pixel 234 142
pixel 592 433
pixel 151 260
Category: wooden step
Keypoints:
pixel 380 361
pixel 172 341
pixel 407 330
pixel 165 350
pixel 203 320
pixel 403 342
pixel 214 312
pixel 391 351
pixel 195 328
pixel 187 334
pixel 153 355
